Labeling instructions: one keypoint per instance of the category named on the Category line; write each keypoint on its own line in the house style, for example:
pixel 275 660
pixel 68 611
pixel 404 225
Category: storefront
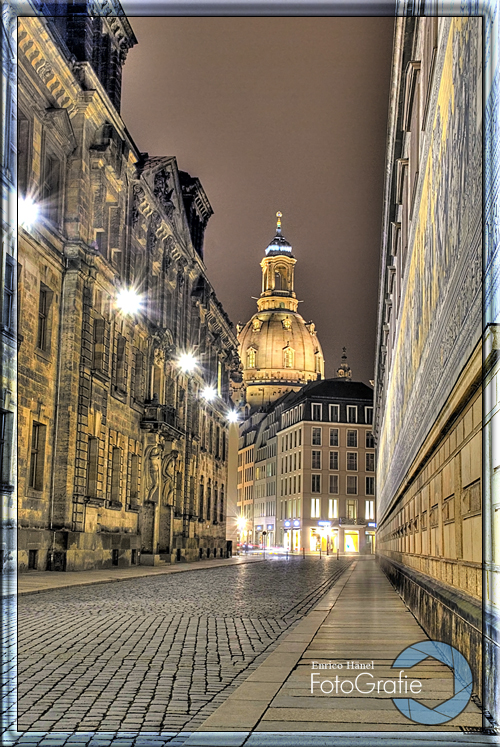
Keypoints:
pixel 292 535
pixel 323 537
pixel 351 540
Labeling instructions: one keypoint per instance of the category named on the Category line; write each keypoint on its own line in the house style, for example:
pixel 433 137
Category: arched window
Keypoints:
pixel 251 358
pixel 277 281
pixel 288 357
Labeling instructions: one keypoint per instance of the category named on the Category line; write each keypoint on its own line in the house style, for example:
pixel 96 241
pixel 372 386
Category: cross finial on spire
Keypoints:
pixel 279 216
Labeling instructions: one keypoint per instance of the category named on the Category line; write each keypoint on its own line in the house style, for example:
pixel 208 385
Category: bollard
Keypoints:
pixel 287 554
pixel 320 552
pixel 337 553
pixel 304 553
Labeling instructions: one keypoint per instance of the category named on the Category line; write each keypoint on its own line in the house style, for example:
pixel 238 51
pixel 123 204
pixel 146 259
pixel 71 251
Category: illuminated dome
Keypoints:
pixel 279 351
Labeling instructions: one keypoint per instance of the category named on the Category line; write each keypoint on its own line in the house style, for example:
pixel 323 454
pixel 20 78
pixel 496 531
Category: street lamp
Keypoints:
pixel 209 393
pixel 233 416
pixel 128 301
pixel 187 362
pixel 27 212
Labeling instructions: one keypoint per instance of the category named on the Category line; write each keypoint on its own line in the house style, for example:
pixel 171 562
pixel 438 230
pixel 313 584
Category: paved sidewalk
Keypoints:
pixel 40 581
pixel 362 619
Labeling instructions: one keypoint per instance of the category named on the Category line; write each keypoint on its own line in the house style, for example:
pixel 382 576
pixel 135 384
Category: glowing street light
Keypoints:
pixel 128 301
pixel 27 212
pixel 187 362
pixel 209 393
pixel 241 523
pixel 233 416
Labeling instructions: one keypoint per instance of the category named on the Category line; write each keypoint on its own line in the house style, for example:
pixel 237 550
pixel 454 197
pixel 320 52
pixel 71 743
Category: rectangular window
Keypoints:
pixel 8 294
pixel 351 507
pixel 134 480
pixel 51 188
pixel 334 414
pixel 300 437
pixel 352 461
pixel 315 483
pixel 92 467
pixel 334 436
pixel 37 456
pixel 316 412
pixel 370 462
pixel 369 440
pixel 334 460
pixel 43 337
pixel 334 484
pixel 316 459
pixel 370 486
pixel 369 415
pixel 315 508
pixel 121 364
pixel 352 485
pixel 116 463
pixel 333 508
pixel 369 510
pixel 316 436
pixel 138 377
pixel 6 422
pixel 352 439
pixel 352 414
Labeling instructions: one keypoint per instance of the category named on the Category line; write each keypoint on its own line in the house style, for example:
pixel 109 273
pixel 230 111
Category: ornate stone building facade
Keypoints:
pixel 125 353
pixel 428 408
pixel 279 351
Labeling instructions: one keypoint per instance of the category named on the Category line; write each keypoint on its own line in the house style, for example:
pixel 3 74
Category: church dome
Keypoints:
pixel 279 351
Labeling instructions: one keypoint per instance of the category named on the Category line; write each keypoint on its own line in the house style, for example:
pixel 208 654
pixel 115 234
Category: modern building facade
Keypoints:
pixel 279 351
pixel 428 405
pixel 326 469
pixel 125 353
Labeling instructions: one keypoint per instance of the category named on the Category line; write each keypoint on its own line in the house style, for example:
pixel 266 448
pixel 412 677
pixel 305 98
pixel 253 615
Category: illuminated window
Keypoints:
pixel 315 508
pixel 333 508
pixel 369 510
pixel 288 357
pixel 251 358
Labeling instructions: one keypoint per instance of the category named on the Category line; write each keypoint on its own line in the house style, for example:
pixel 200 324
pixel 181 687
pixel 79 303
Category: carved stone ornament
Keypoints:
pixel 168 475
pixel 162 192
pixel 163 345
pixel 138 195
pixel 257 325
pixel 287 323
pixel 153 461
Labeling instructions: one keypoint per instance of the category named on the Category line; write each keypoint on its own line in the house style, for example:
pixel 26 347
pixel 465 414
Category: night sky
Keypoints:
pixel 275 114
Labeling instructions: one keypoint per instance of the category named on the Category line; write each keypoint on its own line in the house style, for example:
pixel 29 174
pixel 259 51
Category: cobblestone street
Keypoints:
pixel 156 654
